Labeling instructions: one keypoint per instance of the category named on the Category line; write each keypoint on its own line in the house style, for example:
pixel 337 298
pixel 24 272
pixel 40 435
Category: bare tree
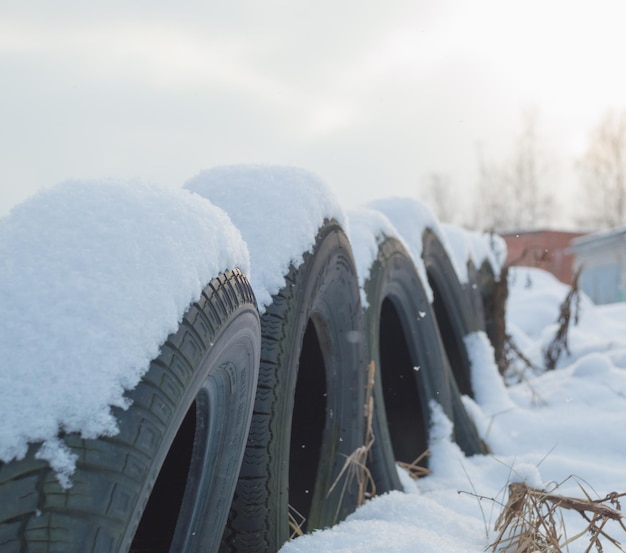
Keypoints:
pixel 528 172
pixel 439 193
pixel 603 172
pixel 513 194
pixel 492 203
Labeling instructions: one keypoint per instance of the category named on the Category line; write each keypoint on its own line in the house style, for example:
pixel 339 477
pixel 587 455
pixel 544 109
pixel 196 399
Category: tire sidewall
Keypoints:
pixel 454 301
pixel 393 277
pixel 214 354
pixel 323 289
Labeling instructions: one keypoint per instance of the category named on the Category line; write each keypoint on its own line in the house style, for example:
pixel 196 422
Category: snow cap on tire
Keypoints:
pixel 368 228
pixel 278 210
pixel 93 277
pixel 476 247
pixel 411 218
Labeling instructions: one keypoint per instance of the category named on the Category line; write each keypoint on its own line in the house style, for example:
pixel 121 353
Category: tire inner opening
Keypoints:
pixel 451 339
pixel 403 405
pixel 157 525
pixel 307 426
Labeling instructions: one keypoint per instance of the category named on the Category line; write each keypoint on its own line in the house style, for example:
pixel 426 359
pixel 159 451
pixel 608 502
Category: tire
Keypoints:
pixel 454 312
pixel 402 334
pixel 474 290
pixel 308 414
pixel 494 293
pixel 165 481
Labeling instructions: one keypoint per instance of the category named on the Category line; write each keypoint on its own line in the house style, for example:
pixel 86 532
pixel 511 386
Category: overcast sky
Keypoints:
pixel 370 95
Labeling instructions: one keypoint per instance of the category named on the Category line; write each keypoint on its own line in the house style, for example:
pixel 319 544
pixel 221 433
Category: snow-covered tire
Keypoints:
pixel 411 367
pixel 454 312
pixel 165 481
pixel 308 414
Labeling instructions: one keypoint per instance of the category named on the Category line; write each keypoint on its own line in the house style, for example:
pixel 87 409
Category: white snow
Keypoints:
pixel 533 308
pixel 367 229
pixel 93 278
pixel 278 211
pixel 489 390
pixel 477 247
pixel 411 218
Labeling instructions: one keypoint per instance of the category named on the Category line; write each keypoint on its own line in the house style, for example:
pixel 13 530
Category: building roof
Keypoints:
pixel 598 239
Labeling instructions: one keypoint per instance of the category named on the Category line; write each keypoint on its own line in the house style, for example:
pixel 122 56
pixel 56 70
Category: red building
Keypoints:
pixel 546 249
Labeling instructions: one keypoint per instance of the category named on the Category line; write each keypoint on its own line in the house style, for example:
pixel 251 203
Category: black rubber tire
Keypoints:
pixel 308 414
pixel 486 283
pixel 402 335
pixel 474 290
pixel 455 314
pixel 165 481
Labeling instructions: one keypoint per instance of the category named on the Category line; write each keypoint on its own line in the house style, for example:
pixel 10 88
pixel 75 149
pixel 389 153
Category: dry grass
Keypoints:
pixel 532 522
pixel 355 466
pixel 515 375
pixel 570 309
pixel 296 523
pixel 414 469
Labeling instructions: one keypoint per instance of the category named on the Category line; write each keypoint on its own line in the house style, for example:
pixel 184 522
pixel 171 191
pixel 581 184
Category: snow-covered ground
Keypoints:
pixel 558 430
pixel 93 278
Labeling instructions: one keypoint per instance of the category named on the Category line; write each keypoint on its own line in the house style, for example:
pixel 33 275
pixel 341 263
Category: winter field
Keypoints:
pixel 116 291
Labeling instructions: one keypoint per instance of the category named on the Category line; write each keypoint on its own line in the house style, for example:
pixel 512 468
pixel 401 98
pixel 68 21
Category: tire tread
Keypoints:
pixel 38 516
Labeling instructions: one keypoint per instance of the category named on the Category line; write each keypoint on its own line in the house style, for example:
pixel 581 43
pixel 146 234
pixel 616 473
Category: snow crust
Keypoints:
pixel 278 211
pixel 93 278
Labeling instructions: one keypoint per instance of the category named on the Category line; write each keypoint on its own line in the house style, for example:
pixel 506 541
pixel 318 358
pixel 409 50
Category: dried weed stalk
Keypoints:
pixel 570 308
pixel 513 351
pixel 515 375
pixel 497 308
pixel 414 469
pixel 296 523
pixel 531 521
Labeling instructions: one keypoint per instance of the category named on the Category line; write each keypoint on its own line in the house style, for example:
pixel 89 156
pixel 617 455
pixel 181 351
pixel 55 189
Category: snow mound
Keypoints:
pixel 533 307
pixel 93 277
pixel 278 211
pixel 489 390
pixel 534 299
